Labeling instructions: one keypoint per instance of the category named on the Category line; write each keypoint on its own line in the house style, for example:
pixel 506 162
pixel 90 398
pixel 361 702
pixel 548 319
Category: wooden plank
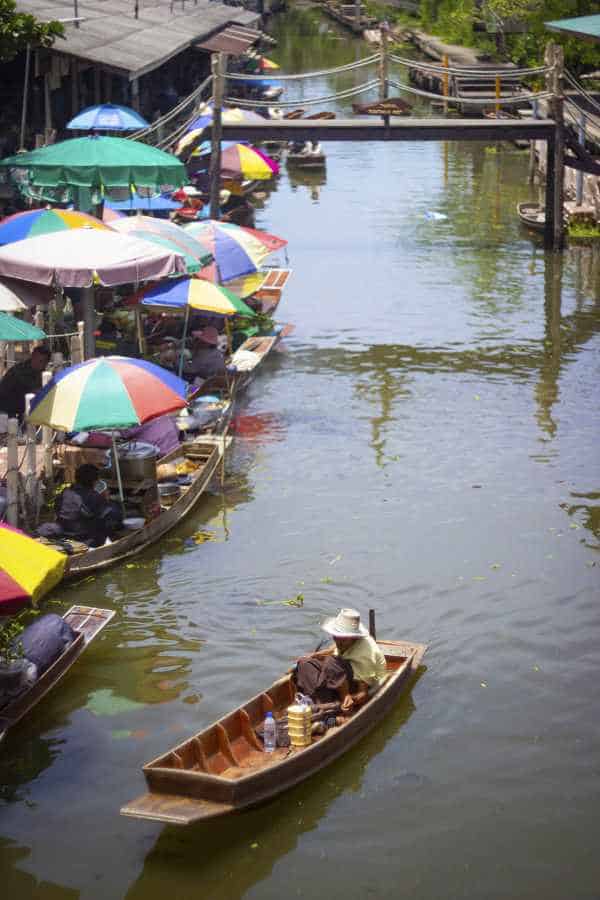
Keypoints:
pixel 399 129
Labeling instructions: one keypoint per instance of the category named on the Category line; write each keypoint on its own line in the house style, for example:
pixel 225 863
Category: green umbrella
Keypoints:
pixel 80 169
pixel 192 263
pixel 12 329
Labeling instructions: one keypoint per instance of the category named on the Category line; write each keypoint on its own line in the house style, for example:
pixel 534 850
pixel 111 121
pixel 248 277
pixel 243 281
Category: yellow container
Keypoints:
pixel 299 725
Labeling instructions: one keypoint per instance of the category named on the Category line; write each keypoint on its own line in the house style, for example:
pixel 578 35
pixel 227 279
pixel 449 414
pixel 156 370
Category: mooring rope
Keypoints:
pixel 307 101
pixel 489 101
pixel 367 61
pixel 580 89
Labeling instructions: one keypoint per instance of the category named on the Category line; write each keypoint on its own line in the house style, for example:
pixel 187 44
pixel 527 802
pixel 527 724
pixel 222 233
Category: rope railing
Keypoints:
pixel 474 101
pixel 467 70
pixel 173 113
pixel 580 89
pixel 367 61
pixel 310 101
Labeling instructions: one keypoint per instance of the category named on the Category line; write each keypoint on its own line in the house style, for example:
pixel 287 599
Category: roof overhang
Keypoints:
pixel 233 39
pixel 585 27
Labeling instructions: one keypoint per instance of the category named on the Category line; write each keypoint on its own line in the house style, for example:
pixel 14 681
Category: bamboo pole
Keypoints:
pixel 31 482
pixel 384 64
pixel 25 97
pixel 12 473
pixel 498 94
pixel 554 57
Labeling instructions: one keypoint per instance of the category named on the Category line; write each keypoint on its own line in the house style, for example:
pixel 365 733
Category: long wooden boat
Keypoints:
pixel 207 454
pixel 224 768
pixel 306 160
pixel 87 622
pixel 532 215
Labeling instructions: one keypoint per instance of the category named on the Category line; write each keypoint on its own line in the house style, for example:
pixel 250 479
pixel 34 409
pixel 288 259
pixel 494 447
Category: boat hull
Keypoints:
pixel 183 797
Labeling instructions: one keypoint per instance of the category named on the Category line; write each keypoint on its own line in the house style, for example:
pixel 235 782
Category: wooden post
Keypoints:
pixel 554 57
pixel 31 485
pixel 47 434
pixel 532 157
pixel 498 95
pixel 74 87
pixel 445 82
pixel 89 323
pixel 549 198
pixel 357 15
pixel 372 629
pixel 135 94
pixel 25 97
pixel 214 177
pixel 47 104
pixel 139 327
pixel 384 64
pixel 12 473
pixel 579 176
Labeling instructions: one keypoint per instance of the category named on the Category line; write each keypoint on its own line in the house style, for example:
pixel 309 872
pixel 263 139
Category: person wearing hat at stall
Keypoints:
pixel 347 672
pixel 84 510
pixel 207 360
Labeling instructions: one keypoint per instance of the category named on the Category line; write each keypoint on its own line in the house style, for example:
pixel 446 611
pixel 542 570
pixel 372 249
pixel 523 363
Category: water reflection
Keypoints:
pixel 225 858
pixel 16 883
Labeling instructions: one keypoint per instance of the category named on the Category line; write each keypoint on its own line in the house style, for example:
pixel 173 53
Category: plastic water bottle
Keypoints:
pixel 270 733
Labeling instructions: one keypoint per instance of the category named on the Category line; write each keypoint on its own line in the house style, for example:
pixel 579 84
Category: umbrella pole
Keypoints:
pixel 118 471
pixel 185 328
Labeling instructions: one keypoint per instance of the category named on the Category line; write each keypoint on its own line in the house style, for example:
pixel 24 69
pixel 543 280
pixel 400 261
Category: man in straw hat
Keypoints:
pixel 347 671
pixel 207 360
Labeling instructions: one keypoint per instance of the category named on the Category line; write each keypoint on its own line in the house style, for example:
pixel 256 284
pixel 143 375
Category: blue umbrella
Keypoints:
pixel 107 117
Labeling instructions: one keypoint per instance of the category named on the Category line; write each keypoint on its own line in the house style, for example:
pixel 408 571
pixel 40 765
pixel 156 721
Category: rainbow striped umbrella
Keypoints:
pixel 236 250
pixel 43 221
pixel 111 392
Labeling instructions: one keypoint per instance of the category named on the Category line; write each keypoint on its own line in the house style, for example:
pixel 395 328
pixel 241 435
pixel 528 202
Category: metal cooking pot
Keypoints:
pixel 137 461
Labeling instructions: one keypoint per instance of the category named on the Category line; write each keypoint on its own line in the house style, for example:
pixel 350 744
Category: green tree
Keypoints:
pixel 19 29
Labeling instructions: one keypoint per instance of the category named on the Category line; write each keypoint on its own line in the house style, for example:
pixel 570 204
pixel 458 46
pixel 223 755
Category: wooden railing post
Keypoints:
pixel 498 94
pixel 47 435
pixel 214 176
pixel 384 63
pixel 554 58
pixel 445 83
pixel 12 473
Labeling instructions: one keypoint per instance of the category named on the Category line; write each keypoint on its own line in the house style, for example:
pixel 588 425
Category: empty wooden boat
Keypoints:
pixel 87 622
pixel 532 215
pixel 224 768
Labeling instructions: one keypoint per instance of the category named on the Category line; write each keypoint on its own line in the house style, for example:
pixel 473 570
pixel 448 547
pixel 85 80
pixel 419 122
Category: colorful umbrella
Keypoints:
pixel 267 65
pixel 112 392
pixel 107 393
pixel 248 163
pixel 28 569
pixel 194 293
pixel 192 263
pixel 144 226
pixel 156 203
pixel 107 117
pixel 236 250
pixel 80 169
pixel 34 222
pixel 12 329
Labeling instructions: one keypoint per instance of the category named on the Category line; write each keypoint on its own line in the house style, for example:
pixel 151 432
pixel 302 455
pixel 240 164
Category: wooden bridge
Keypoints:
pixel 413 129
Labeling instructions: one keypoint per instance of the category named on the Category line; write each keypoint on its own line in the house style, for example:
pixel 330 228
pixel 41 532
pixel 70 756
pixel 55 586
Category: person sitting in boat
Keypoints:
pixel 347 672
pixel 22 379
pixel 84 511
pixel 207 360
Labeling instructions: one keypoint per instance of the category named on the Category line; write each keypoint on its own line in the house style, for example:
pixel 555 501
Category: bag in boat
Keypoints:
pixel 45 639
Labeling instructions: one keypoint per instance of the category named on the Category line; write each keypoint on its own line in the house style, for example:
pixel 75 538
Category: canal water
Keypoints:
pixel 426 445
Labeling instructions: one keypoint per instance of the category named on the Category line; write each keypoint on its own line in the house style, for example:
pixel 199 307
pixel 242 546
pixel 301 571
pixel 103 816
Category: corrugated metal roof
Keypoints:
pixel 111 37
pixel 232 39
pixel 582 26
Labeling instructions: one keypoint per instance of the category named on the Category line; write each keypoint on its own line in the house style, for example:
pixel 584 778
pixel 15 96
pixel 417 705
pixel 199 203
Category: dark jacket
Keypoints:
pixel 20 380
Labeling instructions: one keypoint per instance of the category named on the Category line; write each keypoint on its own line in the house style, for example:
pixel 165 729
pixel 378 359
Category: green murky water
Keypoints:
pixel 426 445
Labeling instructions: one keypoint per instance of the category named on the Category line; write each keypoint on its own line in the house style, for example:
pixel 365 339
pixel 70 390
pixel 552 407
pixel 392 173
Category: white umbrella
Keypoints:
pixel 16 296
pixel 83 257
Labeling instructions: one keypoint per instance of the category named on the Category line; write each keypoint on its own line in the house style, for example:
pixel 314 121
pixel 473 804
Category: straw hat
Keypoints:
pixel 209 335
pixel 345 625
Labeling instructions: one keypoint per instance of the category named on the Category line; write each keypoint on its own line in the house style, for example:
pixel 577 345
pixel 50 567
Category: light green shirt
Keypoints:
pixel 367 660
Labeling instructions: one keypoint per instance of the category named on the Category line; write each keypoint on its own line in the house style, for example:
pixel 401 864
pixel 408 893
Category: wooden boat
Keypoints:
pixel 224 768
pixel 88 622
pixel 306 160
pixel 207 454
pixel 532 215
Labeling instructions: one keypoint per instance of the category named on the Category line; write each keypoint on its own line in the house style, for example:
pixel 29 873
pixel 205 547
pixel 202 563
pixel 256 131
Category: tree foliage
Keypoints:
pixel 454 20
pixel 19 29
